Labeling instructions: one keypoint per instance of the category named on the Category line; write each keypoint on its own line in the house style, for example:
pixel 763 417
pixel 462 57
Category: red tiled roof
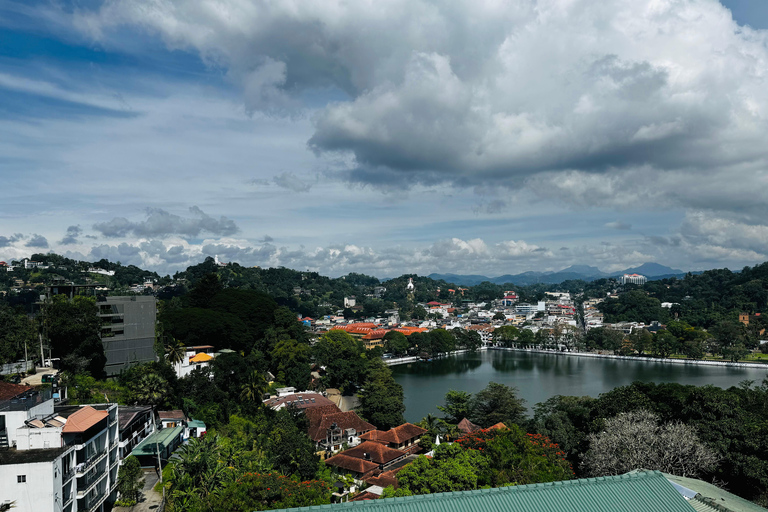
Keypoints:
pixel 176 414
pixel 344 461
pixel 344 420
pixel 467 426
pixel 365 495
pixel 378 453
pixel 376 436
pixel 9 390
pixel 83 419
pixel 385 479
pixel 403 433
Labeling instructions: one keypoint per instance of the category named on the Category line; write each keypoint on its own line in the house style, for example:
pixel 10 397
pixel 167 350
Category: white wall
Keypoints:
pixel 37 494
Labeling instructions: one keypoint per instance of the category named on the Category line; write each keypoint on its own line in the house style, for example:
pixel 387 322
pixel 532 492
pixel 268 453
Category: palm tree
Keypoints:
pixel 175 352
pixel 254 387
pixel 151 389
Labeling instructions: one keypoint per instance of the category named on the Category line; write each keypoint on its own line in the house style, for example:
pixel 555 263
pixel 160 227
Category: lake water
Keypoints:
pixel 542 376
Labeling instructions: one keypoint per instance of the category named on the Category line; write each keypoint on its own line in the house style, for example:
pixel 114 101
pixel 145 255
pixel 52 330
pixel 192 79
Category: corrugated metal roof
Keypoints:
pixel 710 497
pixel 162 437
pixel 638 492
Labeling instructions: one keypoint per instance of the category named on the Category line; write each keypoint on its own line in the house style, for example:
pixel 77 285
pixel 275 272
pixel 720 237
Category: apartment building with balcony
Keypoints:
pixel 61 459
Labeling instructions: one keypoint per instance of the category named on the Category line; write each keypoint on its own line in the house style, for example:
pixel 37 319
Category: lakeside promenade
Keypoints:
pixel 411 359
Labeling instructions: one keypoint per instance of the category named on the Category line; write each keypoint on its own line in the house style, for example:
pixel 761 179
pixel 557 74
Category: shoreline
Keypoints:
pixel 411 359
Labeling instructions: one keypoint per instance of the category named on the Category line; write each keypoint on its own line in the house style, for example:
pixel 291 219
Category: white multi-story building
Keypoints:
pixel 59 459
pixel 633 279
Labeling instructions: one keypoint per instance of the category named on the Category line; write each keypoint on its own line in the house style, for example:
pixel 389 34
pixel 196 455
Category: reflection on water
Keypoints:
pixel 541 376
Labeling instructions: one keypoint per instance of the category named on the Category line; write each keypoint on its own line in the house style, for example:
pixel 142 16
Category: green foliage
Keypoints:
pixel 634 306
pixel 396 343
pixel 344 357
pixel 129 480
pixel 497 403
pixel 73 329
pixel 381 401
pixel 485 458
pixel 16 332
pixel 265 491
pixel 457 406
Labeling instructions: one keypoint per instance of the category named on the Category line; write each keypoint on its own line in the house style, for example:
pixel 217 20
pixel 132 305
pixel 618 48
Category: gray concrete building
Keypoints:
pixel 127 330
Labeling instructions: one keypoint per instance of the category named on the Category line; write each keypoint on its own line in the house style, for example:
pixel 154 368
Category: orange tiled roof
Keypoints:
pixel 83 419
pixel 375 335
pixel 375 435
pixel 498 426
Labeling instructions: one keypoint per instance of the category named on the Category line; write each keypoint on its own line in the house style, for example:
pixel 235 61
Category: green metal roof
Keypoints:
pixel 710 498
pixel 195 424
pixel 163 437
pixel 637 492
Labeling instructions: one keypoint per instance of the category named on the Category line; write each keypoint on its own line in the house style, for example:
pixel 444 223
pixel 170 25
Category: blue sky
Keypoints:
pixel 385 138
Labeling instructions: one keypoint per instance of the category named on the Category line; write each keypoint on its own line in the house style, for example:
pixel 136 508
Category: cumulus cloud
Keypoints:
pixel 7 241
pixel 491 91
pixel 73 232
pixel 160 223
pixel 37 241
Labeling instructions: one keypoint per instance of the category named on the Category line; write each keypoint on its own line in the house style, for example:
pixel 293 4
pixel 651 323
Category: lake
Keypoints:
pixel 542 376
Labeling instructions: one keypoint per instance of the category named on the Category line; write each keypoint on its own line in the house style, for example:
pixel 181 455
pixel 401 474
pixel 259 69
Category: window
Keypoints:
pixel 20 479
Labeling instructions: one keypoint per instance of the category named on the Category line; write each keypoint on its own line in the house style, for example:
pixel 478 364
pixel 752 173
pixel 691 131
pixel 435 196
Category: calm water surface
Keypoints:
pixel 541 376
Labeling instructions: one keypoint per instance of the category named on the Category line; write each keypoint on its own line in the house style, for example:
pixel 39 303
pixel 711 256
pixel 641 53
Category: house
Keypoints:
pixel 172 419
pixel 195 358
pixel 402 437
pixel 373 455
pixel 330 428
pixel 374 338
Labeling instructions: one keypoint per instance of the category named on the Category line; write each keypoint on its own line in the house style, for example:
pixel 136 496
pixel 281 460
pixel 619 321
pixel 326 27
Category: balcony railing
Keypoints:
pixel 84 484
pixel 83 467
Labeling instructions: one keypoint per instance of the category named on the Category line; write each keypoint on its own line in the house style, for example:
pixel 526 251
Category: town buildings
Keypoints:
pixel 58 458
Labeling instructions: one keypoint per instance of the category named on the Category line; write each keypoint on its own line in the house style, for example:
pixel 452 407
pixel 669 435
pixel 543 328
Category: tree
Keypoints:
pixel 497 403
pixel 344 358
pixel 205 290
pixel 129 481
pixel 499 316
pixel 664 344
pixel 175 351
pixel 254 387
pixel 151 389
pixel 16 332
pixel 381 401
pixel 291 363
pixel 396 343
pixel 73 328
pixel 457 406
pixel 638 440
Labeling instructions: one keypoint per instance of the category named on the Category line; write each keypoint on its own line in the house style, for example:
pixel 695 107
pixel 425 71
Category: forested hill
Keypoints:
pixel 704 300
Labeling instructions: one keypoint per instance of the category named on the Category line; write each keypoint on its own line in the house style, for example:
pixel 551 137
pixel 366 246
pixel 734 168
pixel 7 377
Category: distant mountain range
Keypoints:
pixel 652 271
